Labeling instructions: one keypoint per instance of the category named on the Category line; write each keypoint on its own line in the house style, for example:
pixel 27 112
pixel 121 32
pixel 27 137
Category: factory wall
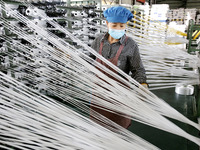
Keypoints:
pixel 127 2
pixel 180 3
pixel 193 4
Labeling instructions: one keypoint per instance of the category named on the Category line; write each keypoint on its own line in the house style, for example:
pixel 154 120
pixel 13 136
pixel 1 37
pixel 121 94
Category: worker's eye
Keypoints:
pixel 121 26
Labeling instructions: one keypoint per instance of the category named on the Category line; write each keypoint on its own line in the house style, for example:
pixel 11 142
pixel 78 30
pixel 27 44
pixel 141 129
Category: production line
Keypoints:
pixel 46 56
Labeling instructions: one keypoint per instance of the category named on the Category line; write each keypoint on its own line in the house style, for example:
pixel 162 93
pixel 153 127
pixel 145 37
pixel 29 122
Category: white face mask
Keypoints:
pixel 116 34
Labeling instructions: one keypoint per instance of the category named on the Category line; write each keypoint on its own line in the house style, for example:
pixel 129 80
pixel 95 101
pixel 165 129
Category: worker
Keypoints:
pixel 120 50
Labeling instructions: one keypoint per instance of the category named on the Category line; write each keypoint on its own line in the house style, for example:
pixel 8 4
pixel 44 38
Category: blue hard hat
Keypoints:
pixel 117 14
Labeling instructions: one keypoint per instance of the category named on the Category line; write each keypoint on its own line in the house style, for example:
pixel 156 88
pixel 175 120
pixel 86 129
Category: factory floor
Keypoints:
pixel 167 141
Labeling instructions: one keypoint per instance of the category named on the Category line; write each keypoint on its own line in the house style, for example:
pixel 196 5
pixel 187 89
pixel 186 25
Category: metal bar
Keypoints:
pixel 196 35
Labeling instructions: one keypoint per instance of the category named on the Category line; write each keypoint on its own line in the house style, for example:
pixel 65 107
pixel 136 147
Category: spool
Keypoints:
pixel 104 8
pixel 103 22
pixel 98 15
pixel 98 8
pixel 196 70
pixel 8 14
pixel 76 13
pixel 85 38
pixel 40 23
pixel 90 11
pixel 2 31
pixel 98 22
pixel 29 11
pixel 11 6
pixel 14 23
pixel 78 23
pixel 183 89
pixel 37 12
pixel 84 14
pixel 85 30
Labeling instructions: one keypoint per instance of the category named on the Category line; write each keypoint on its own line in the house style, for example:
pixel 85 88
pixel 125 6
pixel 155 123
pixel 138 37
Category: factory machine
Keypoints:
pixel 81 18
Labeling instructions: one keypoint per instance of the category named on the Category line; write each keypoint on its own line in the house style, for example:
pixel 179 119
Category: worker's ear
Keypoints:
pixel 107 23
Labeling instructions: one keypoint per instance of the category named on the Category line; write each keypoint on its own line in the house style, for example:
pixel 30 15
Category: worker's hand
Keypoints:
pixel 143 88
pixel 145 85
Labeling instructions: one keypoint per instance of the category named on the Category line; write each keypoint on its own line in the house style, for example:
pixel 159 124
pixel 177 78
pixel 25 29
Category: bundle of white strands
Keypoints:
pixel 72 76
pixel 166 65
pixel 30 120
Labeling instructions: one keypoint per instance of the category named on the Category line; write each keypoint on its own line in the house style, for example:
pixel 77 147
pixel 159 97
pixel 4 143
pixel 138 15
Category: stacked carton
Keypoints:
pixel 158 15
pixel 181 15
pixel 170 14
pixel 198 19
pixel 190 14
pixel 178 13
pixel 159 12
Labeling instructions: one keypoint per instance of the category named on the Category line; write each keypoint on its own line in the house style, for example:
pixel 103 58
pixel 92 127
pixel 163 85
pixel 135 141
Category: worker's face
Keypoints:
pixel 117 26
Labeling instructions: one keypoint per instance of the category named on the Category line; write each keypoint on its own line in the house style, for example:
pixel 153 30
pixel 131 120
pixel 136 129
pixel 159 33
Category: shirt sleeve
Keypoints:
pixel 136 66
pixel 94 46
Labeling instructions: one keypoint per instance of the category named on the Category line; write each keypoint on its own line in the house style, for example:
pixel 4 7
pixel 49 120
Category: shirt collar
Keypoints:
pixel 105 37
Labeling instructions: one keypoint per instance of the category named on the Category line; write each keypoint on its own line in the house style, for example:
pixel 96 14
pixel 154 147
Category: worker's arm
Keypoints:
pixel 95 45
pixel 136 66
